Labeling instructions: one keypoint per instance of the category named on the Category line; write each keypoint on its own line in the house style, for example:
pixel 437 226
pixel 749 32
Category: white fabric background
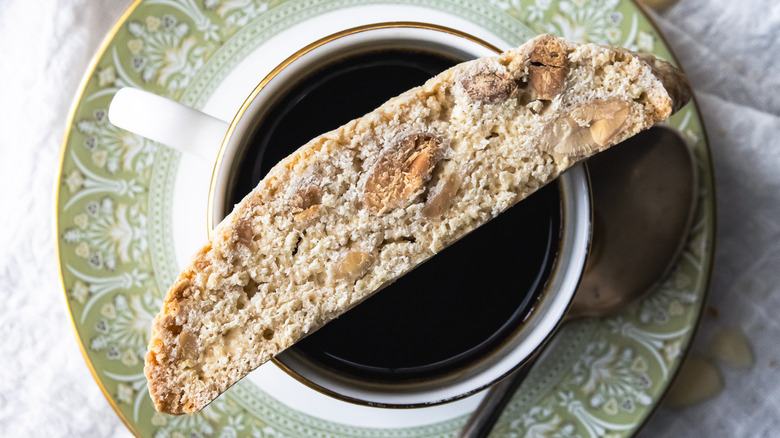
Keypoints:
pixel 729 50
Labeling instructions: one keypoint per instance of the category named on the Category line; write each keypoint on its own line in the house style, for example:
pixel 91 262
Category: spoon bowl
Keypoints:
pixel 643 204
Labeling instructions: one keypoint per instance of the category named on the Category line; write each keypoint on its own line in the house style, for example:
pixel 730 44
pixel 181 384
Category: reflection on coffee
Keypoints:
pixel 455 308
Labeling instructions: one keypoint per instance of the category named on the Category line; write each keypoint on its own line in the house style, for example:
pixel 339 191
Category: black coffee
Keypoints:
pixel 455 308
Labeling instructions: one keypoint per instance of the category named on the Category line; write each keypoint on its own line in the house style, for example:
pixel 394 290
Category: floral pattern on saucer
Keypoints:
pixel 601 378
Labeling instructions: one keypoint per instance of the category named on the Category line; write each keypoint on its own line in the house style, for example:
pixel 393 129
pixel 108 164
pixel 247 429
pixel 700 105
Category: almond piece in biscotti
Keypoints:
pixel 441 195
pixel 304 202
pixel 400 172
pixel 548 67
pixel 489 87
pixel 244 232
pixel 587 128
pixel 188 347
pixel 603 117
pixel 353 264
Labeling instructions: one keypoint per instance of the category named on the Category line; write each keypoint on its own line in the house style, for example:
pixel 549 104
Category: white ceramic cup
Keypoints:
pixel 193 132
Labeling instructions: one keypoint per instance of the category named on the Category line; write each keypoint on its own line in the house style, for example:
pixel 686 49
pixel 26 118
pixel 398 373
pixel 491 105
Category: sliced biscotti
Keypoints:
pixel 358 207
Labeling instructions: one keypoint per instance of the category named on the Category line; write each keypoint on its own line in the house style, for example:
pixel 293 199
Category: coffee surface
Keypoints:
pixel 452 310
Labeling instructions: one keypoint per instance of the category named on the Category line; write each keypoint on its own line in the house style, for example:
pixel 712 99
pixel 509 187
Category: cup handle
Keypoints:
pixel 168 122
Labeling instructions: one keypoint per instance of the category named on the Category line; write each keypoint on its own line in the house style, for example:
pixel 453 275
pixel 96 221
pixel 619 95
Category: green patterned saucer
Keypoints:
pixel 121 235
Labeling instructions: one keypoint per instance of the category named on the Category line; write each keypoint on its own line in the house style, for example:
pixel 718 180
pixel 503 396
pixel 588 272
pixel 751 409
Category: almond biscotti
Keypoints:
pixel 358 207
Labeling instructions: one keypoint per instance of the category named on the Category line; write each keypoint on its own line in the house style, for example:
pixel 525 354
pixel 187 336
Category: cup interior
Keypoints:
pixel 551 303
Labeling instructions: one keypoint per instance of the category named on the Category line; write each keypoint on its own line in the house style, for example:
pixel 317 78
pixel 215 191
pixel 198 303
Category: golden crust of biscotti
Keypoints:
pixel 358 207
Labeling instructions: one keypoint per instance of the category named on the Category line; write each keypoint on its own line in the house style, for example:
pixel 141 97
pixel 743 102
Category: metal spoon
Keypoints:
pixel 643 193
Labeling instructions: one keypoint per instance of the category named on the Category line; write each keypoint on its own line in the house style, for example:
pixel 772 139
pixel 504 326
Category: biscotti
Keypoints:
pixel 358 207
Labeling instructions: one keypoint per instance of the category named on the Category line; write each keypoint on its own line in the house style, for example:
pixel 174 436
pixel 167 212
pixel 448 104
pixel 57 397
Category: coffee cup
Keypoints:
pixel 505 287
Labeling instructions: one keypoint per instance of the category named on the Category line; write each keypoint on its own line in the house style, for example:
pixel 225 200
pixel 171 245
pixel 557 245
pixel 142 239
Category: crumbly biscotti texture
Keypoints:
pixel 358 207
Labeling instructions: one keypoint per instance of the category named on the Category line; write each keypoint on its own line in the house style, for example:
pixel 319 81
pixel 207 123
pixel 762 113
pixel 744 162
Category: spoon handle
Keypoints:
pixel 482 420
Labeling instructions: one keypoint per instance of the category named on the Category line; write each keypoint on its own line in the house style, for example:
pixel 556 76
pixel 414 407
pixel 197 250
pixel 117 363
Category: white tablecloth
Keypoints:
pixel 729 49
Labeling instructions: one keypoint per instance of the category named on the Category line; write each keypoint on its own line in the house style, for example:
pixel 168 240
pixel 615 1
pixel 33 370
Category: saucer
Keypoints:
pixel 128 215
